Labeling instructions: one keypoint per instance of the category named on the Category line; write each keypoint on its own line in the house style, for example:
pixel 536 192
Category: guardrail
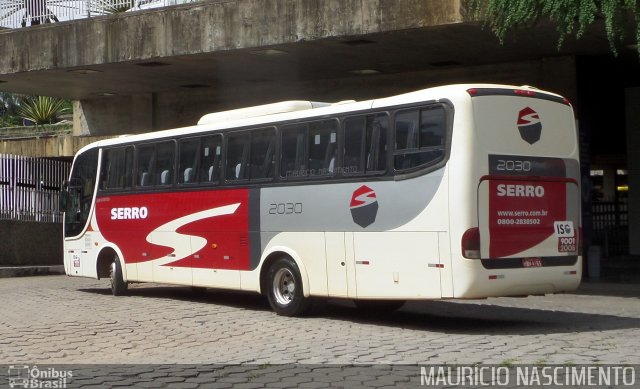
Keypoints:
pixel 30 188
pixel 41 131
pixel 24 13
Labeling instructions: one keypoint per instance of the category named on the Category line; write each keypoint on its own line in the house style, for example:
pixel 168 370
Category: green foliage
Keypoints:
pixel 43 109
pixel 9 105
pixel 571 17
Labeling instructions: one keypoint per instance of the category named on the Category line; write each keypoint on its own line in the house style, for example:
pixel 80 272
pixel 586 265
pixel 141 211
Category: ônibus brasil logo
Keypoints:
pixel 529 125
pixel 364 206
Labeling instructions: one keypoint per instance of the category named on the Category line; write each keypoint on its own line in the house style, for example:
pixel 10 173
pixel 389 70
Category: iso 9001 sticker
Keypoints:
pixel 567 242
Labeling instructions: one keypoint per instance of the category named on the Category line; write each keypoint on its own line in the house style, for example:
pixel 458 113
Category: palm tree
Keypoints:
pixel 43 109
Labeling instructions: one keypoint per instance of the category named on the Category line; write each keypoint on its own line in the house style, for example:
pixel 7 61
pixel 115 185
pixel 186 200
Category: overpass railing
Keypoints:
pixel 30 188
pixel 30 132
pixel 24 13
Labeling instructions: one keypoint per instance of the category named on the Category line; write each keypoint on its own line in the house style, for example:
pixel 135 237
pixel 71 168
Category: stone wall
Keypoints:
pixel 30 243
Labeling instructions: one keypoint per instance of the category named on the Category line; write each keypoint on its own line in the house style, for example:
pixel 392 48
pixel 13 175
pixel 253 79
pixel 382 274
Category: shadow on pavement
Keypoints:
pixel 607 288
pixel 236 299
pixel 472 318
pixel 440 316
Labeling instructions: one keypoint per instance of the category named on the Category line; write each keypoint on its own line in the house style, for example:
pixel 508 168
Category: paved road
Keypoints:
pixel 56 319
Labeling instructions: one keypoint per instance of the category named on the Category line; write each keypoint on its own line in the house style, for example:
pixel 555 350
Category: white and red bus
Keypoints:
pixel 461 191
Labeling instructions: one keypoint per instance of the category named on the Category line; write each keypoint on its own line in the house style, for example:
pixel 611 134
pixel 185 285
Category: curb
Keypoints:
pixel 25 271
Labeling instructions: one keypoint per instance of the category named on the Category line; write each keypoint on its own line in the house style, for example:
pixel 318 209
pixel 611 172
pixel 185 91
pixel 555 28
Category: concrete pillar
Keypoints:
pixel 633 166
pixel 113 115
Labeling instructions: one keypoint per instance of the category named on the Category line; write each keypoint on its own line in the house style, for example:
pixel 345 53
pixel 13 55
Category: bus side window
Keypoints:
pixel 117 166
pixel 432 128
pixel 111 169
pixel 263 144
pixel 128 167
pixel 365 144
pixel 322 147
pixel 238 156
pixel 419 136
pixel 376 142
pixel 188 162
pixel 210 159
pixel 353 159
pixel 165 158
pixel 293 155
pixel 145 162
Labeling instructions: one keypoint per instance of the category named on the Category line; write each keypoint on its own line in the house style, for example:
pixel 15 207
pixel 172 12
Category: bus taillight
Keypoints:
pixel 471 243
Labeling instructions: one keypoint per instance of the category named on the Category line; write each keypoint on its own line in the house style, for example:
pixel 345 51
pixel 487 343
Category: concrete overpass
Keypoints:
pixel 165 68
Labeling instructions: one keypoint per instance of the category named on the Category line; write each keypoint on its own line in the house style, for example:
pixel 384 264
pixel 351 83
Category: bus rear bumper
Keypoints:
pixel 481 282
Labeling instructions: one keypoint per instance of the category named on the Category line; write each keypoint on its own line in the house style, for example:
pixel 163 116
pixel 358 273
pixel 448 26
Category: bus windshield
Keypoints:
pixel 81 188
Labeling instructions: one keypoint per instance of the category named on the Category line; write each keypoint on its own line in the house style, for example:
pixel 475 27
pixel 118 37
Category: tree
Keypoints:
pixel 9 105
pixel 571 17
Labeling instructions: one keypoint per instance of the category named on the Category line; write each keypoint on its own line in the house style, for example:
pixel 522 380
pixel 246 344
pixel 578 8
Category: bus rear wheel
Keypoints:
pixel 118 286
pixel 284 290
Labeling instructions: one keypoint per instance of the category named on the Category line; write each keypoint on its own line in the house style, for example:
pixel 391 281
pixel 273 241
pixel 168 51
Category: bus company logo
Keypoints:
pixel 529 125
pixel 364 206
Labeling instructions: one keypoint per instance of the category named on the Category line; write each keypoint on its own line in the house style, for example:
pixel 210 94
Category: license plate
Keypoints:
pixel 531 262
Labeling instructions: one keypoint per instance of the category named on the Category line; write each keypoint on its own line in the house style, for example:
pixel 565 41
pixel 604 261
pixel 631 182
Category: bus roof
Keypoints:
pixel 260 110
pixel 298 109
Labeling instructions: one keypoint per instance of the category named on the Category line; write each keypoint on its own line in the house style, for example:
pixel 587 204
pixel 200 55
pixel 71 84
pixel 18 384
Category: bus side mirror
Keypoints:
pixel 65 198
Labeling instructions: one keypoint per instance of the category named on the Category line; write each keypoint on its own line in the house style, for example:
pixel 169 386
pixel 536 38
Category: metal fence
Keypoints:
pixel 30 188
pixel 611 227
pixel 24 13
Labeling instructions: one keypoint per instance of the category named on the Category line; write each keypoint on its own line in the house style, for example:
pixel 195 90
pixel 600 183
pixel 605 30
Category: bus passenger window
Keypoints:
pixel 165 158
pixel 263 147
pixel 322 147
pixel 365 144
pixel 210 159
pixel 145 158
pixel 188 162
pixel 237 156
pixel 293 155
pixel 376 143
pixel 419 137
pixel 117 166
pixel 353 159
pixel 432 128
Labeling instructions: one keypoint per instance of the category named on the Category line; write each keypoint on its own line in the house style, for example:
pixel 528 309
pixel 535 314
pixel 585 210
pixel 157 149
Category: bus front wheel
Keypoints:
pixel 118 286
pixel 285 288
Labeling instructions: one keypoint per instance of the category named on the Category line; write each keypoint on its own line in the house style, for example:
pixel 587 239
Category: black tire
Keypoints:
pixel 379 306
pixel 284 288
pixel 118 286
